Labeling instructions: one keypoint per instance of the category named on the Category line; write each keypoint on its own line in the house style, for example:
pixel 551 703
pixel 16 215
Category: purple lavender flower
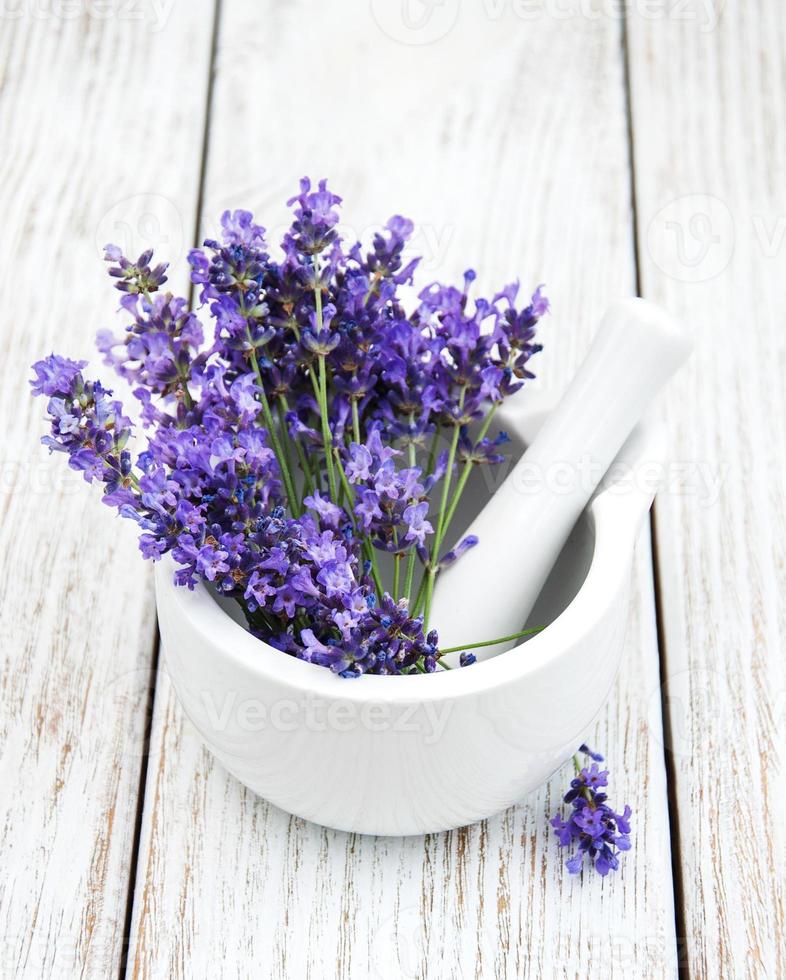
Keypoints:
pixel 418 527
pixel 315 218
pixel 329 514
pixel 455 553
pixel 86 423
pixel 391 504
pixel 599 832
pixel 384 261
pixel 55 375
pixel 359 463
pixel 313 367
pixel 240 228
pixel 307 574
pixel 134 277
pixel 484 452
pixel 159 347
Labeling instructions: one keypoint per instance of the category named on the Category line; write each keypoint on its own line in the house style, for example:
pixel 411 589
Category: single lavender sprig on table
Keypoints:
pixel 599 832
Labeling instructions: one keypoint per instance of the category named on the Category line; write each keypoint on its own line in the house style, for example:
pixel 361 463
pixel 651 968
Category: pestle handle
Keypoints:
pixel 491 590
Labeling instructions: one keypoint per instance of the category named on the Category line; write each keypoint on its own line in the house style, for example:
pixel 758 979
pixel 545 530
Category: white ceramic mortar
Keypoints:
pixel 424 753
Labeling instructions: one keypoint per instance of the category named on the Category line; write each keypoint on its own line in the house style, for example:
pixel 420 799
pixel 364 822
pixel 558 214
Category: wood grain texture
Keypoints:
pixel 101 118
pixel 710 140
pixel 506 141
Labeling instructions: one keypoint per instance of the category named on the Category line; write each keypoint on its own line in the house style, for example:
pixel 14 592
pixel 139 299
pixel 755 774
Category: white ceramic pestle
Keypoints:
pixel 491 590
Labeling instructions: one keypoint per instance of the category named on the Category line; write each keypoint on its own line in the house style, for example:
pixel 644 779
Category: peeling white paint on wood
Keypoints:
pixel 525 173
pixel 100 127
pixel 710 142
pixel 513 156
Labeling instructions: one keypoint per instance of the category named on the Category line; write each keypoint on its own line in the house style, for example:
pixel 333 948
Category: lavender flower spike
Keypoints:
pixel 599 832
pixel 299 364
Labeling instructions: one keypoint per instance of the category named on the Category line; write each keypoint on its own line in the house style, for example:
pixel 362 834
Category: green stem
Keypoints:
pixel 311 372
pixel 412 452
pixel 410 572
pixel 283 409
pixel 432 456
pixel 342 473
pixel 445 518
pixel 445 492
pixel 577 767
pixel 396 575
pixel 421 595
pixel 492 643
pixel 327 437
pixel 189 401
pixel 284 436
pixel 432 571
pixel 410 575
pixel 289 487
pixel 355 420
pixel 462 482
pixel 368 547
pixel 466 472
pixel 372 286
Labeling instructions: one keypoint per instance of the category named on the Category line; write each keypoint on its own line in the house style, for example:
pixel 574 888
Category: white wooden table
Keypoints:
pixel 564 142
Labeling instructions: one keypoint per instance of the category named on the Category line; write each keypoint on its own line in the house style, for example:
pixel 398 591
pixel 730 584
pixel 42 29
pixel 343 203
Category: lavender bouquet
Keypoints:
pixel 311 434
pixel 321 426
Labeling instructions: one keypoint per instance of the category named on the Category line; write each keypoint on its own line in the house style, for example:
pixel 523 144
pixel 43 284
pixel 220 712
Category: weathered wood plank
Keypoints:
pixel 101 115
pixel 710 141
pixel 506 141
